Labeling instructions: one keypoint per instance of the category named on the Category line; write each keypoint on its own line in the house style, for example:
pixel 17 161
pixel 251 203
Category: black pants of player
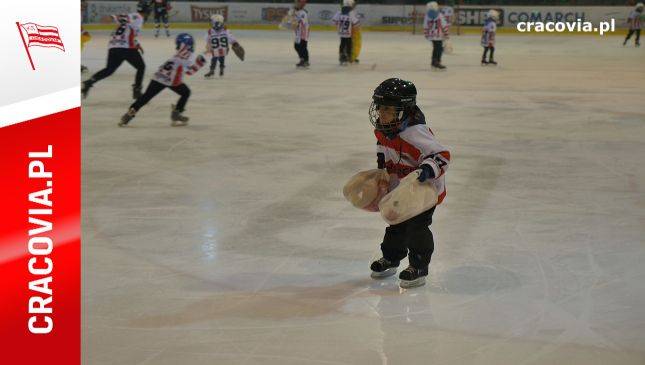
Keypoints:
pixel 437 51
pixel 116 56
pixel 161 16
pixel 629 35
pixel 345 50
pixel 155 87
pixel 221 63
pixel 492 52
pixel 301 48
pixel 412 238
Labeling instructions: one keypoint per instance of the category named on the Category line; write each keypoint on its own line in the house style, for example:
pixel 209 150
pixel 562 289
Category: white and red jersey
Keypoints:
pixel 488 33
pixel 345 23
pixel 301 25
pixel 448 13
pixel 634 20
pixel 219 41
pixel 171 73
pixel 412 147
pixel 125 34
pixel 436 28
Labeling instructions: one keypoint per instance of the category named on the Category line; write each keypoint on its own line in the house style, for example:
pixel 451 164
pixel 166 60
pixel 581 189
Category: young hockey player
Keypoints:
pixel 161 8
pixel 218 40
pixel 300 24
pixel 345 20
pixel 634 21
pixel 488 37
pixel 435 28
pixel 123 46
pixel 405 144
pixel 170 75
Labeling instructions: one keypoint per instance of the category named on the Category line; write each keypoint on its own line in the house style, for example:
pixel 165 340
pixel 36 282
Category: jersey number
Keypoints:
pixel 219 42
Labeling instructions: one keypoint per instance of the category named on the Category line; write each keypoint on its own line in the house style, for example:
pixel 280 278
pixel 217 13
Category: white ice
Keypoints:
pixel 229 242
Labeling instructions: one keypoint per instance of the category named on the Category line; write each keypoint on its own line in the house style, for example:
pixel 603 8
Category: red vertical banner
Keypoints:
pixel 40 303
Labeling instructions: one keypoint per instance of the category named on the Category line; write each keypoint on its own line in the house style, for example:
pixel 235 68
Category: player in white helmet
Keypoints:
pixel 345 20
pixel 218 41
pixel 435 29
pixel 488 37
pixel 634 21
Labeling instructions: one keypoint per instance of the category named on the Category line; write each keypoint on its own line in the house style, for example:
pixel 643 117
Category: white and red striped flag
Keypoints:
pixel 40 36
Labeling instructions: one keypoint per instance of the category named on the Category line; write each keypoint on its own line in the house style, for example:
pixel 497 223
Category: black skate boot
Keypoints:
pixel 83 69
pixel 221 72
pixel 412 277
pixel 127 117
pixel 440 66
pixel 492 62
pixel 383 268
pixel 210 74
pixel 301 63
pixel 136 92
pixel 177 119
pixel 484 62
pixel 87 85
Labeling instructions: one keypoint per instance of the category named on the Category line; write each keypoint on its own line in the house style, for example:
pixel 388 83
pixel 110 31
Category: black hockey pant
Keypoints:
pixel 437 51
pixel 345 51
pixel 301 48
pixel 116 56
pixel 413 238
pixel 492 52
pixel 155 87
pixel 638 35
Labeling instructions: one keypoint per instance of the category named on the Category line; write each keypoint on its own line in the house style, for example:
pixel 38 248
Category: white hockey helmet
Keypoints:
pixel 217 20
pixel 493 14
pixel 639 6
pixel 349 3
pixel 432 6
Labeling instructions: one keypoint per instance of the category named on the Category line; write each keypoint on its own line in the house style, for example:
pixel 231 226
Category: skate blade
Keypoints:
pixel 178 124
pixel 383 274
pixel 406 284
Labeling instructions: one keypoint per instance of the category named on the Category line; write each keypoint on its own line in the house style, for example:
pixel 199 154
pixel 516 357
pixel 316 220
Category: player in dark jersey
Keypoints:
pixel 161 8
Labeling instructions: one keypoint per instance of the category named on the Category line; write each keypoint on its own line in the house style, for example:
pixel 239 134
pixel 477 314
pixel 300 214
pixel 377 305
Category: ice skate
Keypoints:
pixel 210 74
pixel 412 277
pixel 221 72
pixel 167 33
pixel 178 120
pixel 83 69
pixel 492 62
pixel 127 117
pixel 136 91
pixel 87 85
pixel 383 268
pixel 484 63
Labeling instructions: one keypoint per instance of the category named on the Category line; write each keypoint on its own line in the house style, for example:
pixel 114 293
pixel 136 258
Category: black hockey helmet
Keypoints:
pixel 397 93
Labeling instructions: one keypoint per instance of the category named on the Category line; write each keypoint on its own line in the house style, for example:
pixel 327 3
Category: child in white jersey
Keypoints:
pixel 634 21
pixel 218 41
pixel 346 21
pixel 488 37
pixel 170 75
pixel 405 144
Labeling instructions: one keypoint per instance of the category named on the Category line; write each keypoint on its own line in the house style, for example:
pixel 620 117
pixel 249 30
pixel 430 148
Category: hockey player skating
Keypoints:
pixel 435 29
pixel 144 8
pixel 161 8
pixel 170 75
pixel 300 25
pixel 634 21
pixel 488 37
pixel 218 40
pixel 405 144
pixel 346 22
pixel 123 46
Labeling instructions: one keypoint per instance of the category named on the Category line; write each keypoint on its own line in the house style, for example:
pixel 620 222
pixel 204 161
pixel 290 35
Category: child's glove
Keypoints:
pixel 426 173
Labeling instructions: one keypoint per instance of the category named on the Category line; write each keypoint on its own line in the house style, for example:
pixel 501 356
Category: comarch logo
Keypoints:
pixel 544 16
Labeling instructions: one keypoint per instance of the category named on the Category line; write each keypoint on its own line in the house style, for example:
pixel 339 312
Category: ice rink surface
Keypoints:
pixel 229 241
